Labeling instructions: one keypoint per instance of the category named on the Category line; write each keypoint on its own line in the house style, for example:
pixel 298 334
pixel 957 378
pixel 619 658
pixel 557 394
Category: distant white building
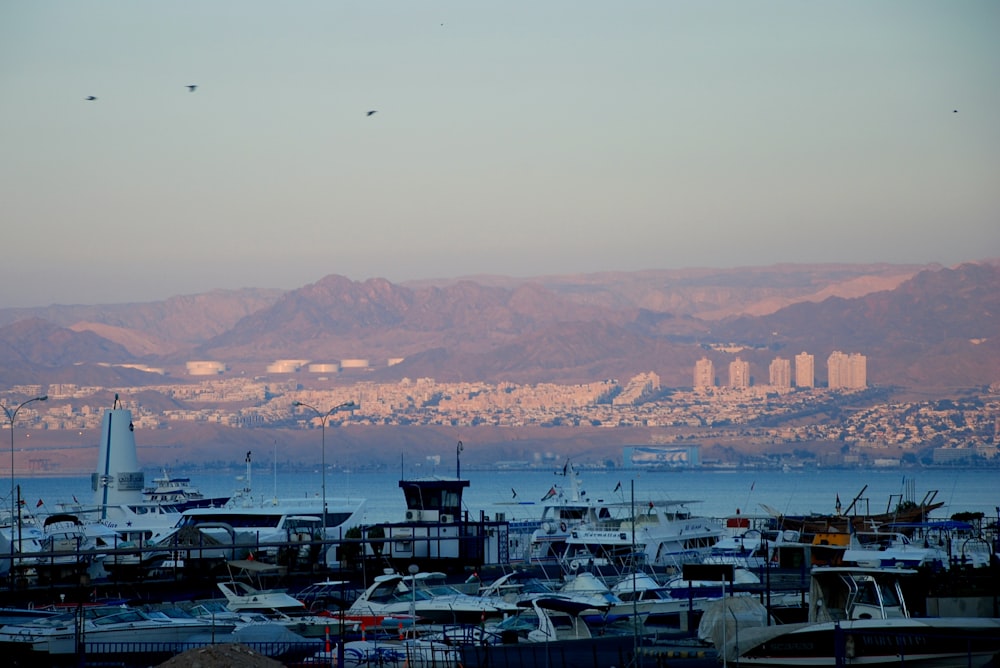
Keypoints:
pixel 286 366
pixel 324 367
pixel 205 368
pixel 354 364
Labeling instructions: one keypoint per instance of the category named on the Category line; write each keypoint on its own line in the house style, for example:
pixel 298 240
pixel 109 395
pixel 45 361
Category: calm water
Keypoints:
pixel 718 493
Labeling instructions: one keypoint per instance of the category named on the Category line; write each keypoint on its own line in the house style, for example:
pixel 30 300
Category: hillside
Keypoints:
pixel 935 327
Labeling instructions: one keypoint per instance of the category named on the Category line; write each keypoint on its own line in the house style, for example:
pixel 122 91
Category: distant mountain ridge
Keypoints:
pixel 917 325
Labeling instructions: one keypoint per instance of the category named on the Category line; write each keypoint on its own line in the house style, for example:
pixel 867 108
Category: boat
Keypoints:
pixel 402 653
pixel 288 530
pixel 677 603
pixel 892 549
pixel 663 535
pixel 244 594
pixel 177 492
pixel 425 597
pixel 436 533
pixel 519 587
pixel 844 519
pixel 540 620
pixel 861 615
pixel 100 628
pixel 542 541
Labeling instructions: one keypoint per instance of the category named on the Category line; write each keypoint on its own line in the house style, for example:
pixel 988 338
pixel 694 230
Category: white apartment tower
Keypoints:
pixel 739 373
pixel 857 370
pixel 780 372
pixel 704 373
pixel 805 370
pixel 848 372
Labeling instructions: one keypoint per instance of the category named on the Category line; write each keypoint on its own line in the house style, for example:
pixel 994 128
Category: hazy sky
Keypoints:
pixel 517 138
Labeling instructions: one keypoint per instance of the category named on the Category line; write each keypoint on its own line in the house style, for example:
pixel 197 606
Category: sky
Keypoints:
pixel 520 138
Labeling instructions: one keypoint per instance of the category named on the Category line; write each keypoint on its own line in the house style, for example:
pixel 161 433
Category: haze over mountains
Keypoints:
pixel 918 326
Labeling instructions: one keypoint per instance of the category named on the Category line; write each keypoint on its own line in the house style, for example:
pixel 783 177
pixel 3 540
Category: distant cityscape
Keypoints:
pixel 844 372
pixel 862 423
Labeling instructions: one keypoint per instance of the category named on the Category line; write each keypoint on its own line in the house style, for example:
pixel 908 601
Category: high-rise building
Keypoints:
pixel 780 372
pixel 739 373
pixel 849 372
pixel 704 373
pixel 857 371
pixel 836 370
pixel 805 370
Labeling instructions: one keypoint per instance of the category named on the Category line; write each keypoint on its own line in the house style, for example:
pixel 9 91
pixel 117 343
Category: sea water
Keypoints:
pixel 518 493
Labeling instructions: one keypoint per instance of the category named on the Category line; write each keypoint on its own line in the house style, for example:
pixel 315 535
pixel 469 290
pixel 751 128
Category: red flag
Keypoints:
pixel 39 504
pixel 551 493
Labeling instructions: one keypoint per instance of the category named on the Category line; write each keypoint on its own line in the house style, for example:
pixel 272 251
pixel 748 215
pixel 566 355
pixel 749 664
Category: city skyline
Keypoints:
pixel 229 145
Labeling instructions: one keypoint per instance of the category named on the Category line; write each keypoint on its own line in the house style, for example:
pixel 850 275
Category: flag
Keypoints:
pixel 550 494
pixel 74 499
pixel 752 485
pixel 617 487
pixel 514 492
pixel 39 504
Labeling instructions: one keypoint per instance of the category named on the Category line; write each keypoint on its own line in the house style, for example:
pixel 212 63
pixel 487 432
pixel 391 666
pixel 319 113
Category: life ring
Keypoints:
pixel 562 527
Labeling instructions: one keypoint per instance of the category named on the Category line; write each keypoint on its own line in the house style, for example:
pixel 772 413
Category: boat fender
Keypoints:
pixel 548 528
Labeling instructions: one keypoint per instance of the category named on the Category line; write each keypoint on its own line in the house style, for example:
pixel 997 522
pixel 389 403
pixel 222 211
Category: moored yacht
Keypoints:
pixel 662 535
pixel 428 598
pixel 861 616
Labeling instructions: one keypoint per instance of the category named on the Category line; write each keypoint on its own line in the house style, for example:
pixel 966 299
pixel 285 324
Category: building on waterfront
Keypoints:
pixel 739 373
pixel 805 370
pixel 847 372
pixel 653 456
pixel 704 373
pixel 780 372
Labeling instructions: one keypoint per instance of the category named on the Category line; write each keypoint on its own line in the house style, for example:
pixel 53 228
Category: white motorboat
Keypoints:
pixel 664 534
pixel 102 629
pixel 540 620
pixel 542 541
pixel 860 615
pixel 521 588
pixel 750 548
pixel 426 597
pixel 246 522
pixel 891 549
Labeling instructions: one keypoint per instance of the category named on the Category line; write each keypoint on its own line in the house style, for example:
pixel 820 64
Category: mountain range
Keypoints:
pixel 918 325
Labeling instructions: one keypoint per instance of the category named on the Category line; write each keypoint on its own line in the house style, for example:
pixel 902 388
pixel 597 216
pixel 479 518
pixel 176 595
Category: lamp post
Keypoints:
pixel 323 417
pixel 11 415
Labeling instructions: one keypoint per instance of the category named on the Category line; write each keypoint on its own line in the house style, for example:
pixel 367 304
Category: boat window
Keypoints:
pixel 336 519
pixel 889 598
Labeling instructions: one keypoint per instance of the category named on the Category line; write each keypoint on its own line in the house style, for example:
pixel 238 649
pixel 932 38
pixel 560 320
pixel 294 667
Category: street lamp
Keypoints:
pixel 323 417
pixel 11 415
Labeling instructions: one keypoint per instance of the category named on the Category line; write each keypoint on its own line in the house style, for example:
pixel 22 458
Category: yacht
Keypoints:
pixel 542 541
pixel 99 627
pixel 426 597
pixel 861 616
pixel 286 529
pixel 663 535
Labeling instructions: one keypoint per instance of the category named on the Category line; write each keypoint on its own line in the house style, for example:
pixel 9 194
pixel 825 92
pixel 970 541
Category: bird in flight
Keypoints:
pixel 371 112
pixel 90 98
pixel 192 87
